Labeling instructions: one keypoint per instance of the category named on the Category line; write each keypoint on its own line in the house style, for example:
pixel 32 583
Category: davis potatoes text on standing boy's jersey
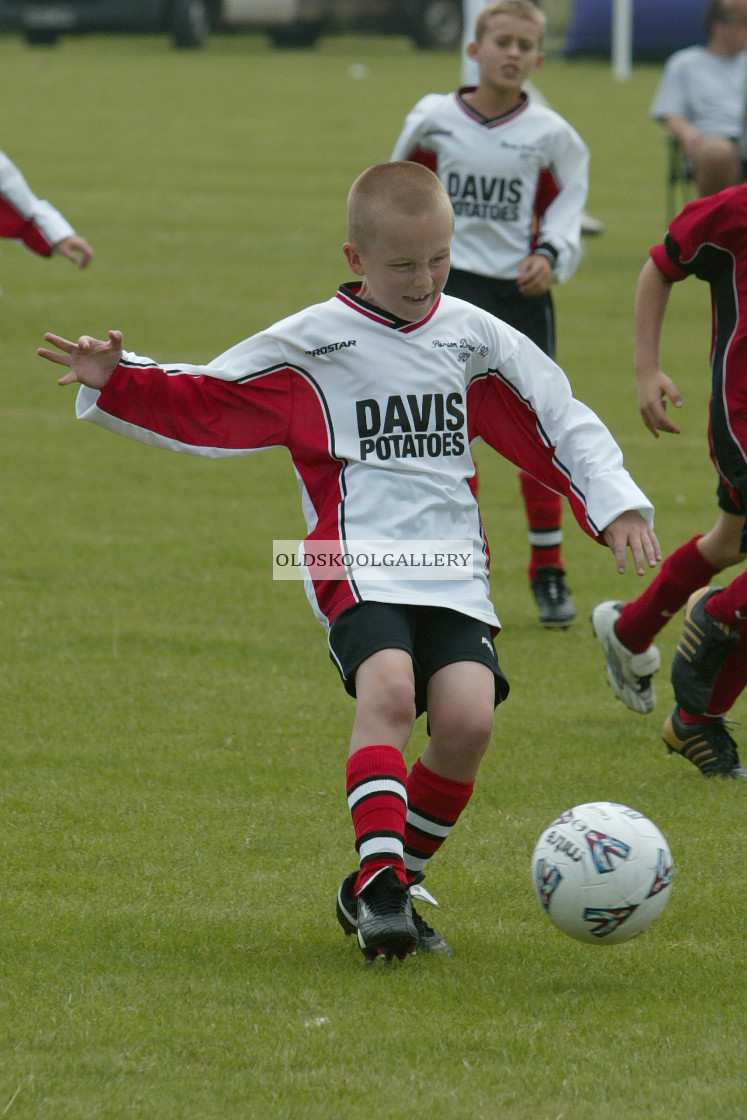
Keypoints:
pixel 378 415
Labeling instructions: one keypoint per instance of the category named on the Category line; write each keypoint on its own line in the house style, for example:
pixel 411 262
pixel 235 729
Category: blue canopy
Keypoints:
pixel 659 27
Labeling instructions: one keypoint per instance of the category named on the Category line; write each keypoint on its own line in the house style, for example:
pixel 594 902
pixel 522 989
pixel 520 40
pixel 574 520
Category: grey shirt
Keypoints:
pixel 705 88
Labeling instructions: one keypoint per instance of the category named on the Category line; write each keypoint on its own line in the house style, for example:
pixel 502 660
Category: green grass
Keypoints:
pixel 173 734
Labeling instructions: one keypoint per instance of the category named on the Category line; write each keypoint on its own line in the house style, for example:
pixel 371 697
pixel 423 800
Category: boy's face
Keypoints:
pixel 507 53
pixel 406 264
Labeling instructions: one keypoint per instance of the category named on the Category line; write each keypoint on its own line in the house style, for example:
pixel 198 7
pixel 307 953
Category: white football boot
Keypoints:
pixel 629 674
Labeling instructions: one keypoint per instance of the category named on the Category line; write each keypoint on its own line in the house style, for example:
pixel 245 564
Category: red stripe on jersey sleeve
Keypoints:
pixel 13 224
pixel 547 191
pixel 201 411
pixel 504 421
pixel 277 407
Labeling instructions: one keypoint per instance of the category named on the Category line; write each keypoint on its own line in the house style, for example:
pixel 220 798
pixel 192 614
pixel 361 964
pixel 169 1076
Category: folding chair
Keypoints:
pixel 680 182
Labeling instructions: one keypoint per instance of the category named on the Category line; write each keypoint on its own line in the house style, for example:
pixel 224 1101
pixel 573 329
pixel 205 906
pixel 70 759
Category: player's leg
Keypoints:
pixel 703 738
pixel 461 699
pixel 731 681
pixel 461 703
pixel 376 779
pixel 543 508
pixel 374 901
pixel 627 630
pixel 716 164
pixel 709 667
pixel 457 658
pixel 715 619
pixel 546 571
pixel 721 546
pixel 459 683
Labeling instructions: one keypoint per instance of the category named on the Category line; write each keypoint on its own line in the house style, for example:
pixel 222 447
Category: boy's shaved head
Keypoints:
pixel 520 9
pixel 403 187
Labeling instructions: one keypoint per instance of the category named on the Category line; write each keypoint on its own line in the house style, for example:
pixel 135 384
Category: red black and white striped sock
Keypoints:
pixel 434 805
pixel 544 512
pixel 376 780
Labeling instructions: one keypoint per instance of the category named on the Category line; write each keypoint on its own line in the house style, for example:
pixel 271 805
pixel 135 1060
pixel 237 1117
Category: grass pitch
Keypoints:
pixel 173 736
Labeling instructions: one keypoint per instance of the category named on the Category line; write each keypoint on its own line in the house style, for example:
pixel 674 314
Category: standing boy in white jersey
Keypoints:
pixel 378 394
pixel 517 176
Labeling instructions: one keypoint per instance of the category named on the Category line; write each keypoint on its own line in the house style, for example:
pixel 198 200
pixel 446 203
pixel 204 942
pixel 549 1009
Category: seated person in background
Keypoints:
pixel 701 98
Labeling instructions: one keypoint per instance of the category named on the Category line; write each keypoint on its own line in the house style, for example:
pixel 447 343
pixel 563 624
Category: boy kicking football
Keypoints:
pixel 378 394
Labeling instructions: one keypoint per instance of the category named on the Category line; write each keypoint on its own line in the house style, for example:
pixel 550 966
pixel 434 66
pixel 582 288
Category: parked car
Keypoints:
pixel 432 24
pixel 435 24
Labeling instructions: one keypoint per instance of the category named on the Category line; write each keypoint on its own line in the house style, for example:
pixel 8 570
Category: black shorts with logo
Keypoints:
pixel 433 636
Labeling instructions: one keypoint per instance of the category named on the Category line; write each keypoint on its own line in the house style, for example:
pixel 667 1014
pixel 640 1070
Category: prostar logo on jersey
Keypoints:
pixel 411 427
pixel 331 348
pixel 480 196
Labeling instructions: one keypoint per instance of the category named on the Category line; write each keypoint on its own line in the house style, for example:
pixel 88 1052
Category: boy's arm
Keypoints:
pixel 409 144
pixel 525 410
pixel 654 387
pixel 561 198
pixel 34 221
pixel 240 403
pixel 90 361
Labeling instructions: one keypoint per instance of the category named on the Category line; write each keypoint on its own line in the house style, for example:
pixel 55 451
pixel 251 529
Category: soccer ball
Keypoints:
pixel 602 872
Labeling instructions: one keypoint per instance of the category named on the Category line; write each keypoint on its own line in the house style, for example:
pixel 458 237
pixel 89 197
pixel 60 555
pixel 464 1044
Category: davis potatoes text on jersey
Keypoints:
pixel 399 427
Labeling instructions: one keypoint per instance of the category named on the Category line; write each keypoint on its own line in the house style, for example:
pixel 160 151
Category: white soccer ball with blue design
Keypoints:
pixel 602 872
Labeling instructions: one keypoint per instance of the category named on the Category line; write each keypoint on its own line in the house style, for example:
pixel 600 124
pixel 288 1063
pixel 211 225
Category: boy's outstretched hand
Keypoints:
pixel 91 361
pixel 631 531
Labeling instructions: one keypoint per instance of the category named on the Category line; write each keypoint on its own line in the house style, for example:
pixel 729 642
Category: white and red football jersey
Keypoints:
pixel 25 217
pixel 378 415
pixel 517 183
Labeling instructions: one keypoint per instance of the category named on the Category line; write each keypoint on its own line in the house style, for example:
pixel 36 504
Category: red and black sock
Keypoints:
pixel 376 780
pixel 434 805
pixel 683 572
pixel 544 512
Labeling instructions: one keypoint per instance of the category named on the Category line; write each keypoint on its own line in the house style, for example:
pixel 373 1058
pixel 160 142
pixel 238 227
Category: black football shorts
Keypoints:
pixel 433 636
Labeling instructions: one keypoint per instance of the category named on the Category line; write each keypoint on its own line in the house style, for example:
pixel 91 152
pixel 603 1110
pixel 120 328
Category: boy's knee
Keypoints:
pixel 394 699
pixel 716 164
pixel 470 730
pixel 721 546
